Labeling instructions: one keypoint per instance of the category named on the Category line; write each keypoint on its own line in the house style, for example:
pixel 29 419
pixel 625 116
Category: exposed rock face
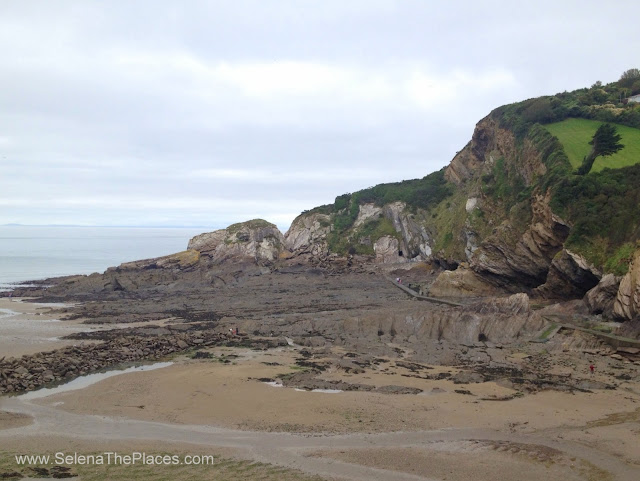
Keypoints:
pixel 463 165
pixel 627 303
pixel 309 232
pixel 525 261
pixel 570 277
pixel 256 240
pixel 307 229
pixel 367 212
pixel 415 238
pixel 472 203
pixel 630 329
pixel 460 283
pixel 515 304
pixel 601 298
pixel 487 137
pixel 386 249
pixel 488 143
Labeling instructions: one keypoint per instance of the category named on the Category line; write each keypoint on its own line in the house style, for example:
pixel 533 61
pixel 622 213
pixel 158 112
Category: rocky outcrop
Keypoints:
pixel 517 263
pixel 514 305
pixel 367 212
pixel 181 260
pixel 462 282
pixel 601 298
pixel 306 230
pixel 570 277
pixel 256 240
pixel 309 232
pixel 627 303
pixel 490 142
pixel 416 242
pixel 31 372
pixel 386 249
pixel 152 343
pixel 471 159
pixel 463 165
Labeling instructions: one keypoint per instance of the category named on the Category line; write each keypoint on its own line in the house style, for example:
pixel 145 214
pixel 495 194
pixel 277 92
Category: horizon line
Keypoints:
pixel 13 224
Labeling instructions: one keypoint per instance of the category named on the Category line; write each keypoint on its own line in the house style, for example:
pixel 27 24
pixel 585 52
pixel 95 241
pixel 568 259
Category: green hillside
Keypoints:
pixel 575 134
pixel 601 207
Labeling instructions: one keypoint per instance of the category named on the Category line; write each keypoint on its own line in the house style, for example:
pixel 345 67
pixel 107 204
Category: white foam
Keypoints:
pixel 274 383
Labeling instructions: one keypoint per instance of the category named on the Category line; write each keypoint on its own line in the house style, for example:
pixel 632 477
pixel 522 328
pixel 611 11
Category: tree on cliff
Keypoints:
pixel 605 142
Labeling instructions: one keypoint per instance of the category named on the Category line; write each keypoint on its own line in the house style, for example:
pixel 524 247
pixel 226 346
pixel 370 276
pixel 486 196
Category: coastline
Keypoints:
pixel 374 384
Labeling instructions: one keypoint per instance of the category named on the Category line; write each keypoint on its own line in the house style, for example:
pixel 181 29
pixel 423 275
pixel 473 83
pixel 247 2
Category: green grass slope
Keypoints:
pixel 575 134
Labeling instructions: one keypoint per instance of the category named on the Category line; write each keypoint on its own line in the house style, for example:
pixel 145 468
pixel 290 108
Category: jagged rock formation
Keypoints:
pixel 509 241
pixel 601 298
pixel 386 249
pixel 570 276
pixel 256 240
pixel 526 263
pixel 488 143
pixel 415 240
pixel 406 240
pixel 627 303
pixel 307 230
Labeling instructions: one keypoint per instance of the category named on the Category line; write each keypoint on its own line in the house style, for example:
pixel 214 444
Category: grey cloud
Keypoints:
pixel 130 101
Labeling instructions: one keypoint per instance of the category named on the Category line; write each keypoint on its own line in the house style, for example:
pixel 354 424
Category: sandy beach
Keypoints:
pixel 437 434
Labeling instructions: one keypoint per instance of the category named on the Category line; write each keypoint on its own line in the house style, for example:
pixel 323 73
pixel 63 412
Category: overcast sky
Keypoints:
pixel 212 112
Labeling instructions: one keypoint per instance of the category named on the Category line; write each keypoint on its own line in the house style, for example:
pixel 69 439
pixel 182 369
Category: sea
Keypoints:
pixel 38 252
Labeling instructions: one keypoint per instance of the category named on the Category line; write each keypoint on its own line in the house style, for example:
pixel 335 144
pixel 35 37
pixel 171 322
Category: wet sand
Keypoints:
pixel 439 434
pixel 28 328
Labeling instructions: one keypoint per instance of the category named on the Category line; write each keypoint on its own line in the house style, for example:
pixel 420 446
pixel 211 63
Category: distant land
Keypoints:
pixel 112 226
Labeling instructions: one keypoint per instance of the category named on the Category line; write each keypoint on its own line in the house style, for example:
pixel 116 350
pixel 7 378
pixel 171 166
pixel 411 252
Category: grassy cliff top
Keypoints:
pixel 575 134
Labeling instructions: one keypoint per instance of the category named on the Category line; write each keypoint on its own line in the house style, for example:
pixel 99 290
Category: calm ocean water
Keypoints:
pixel 37 252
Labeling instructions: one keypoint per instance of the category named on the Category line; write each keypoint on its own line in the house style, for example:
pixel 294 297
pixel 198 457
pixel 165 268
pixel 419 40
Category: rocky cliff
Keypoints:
pixel 496 219
pixel 506 241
